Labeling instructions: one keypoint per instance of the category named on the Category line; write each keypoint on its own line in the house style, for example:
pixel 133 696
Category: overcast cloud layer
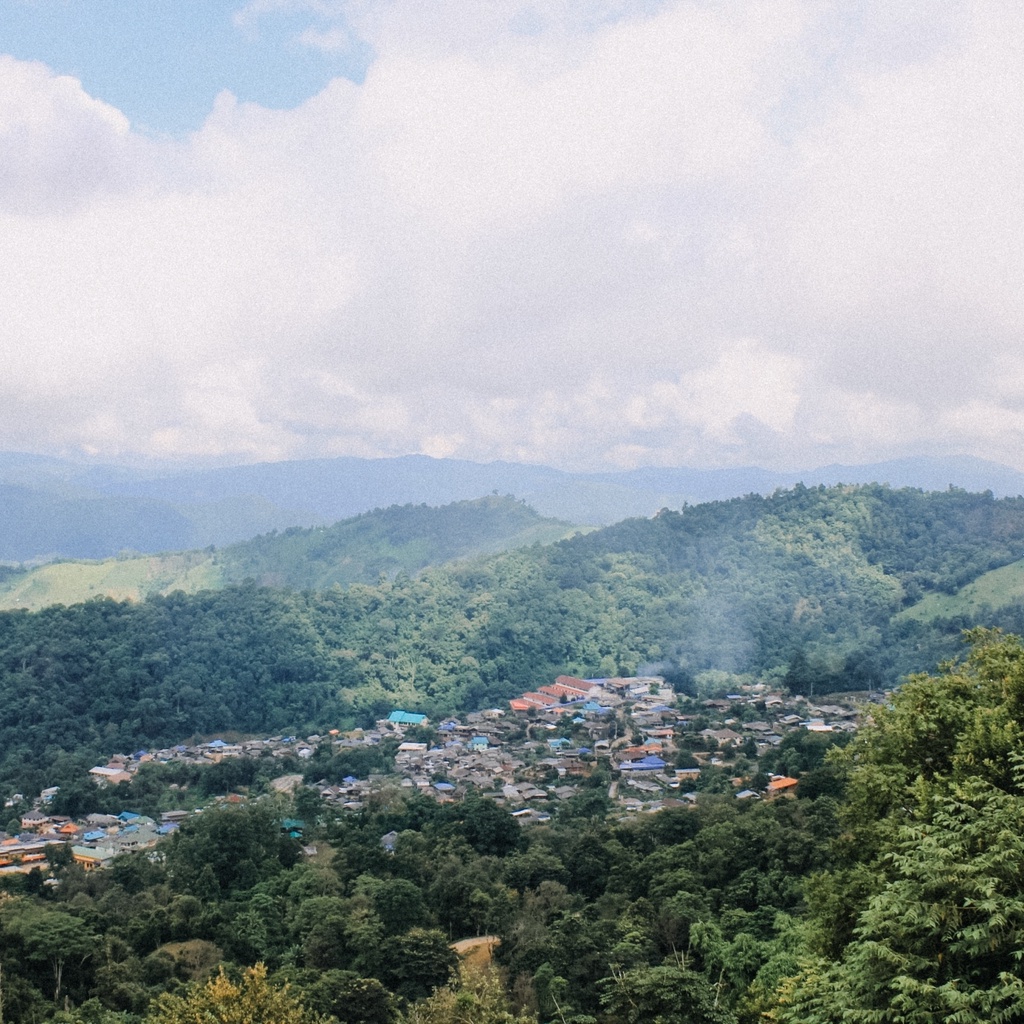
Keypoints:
pixel 586 233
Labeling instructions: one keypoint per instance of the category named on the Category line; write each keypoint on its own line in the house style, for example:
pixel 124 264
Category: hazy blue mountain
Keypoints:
pixel 37 524
pixel 93 510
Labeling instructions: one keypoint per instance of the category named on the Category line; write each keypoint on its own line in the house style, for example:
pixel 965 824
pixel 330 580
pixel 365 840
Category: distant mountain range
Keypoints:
pixel 53 508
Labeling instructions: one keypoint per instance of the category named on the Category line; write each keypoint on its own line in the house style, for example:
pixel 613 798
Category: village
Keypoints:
pixel 632 739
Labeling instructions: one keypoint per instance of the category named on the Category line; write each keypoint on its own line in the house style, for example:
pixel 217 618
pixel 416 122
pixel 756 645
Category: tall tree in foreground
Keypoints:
pixel 937 793
pixel 220 1001
pixel 478 998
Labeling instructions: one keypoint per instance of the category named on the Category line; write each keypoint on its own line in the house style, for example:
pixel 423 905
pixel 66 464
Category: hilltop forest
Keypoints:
pixel 812 588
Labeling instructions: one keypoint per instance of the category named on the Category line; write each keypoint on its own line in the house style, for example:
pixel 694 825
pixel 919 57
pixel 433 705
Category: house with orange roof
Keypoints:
pixel 541 700
pixel 782 785
pixel 575 685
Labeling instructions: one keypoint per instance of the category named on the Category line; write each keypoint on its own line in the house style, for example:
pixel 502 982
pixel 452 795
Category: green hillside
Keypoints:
pixel 124 579
pixel 803 588
pixel 383 543
pixel 991 591
pixel 386 542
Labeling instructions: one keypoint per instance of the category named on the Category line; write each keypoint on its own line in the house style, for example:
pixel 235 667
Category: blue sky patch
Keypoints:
pixel 162 62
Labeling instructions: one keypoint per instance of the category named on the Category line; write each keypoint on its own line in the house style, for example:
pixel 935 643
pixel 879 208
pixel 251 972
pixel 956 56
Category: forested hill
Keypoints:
pixel 363 549
pixel 803 587
pixel 400 539
pixel 55 508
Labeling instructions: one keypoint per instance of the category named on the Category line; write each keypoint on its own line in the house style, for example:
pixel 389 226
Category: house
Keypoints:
pixel 541 700
pixel 33 820
pixel 573 686
pixel 650 763
pixel 723 737
pixel 406 718
pixel 92 858
pixel 109 776
pixel 816 725
pixel 511 793
pixel 781 785
pixel 101 820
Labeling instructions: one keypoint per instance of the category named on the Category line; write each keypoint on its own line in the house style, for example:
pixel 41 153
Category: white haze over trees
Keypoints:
pixel 592 234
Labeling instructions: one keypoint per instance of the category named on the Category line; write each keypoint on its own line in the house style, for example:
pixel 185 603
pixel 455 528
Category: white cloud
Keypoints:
pixel 586 234
pixel 58 146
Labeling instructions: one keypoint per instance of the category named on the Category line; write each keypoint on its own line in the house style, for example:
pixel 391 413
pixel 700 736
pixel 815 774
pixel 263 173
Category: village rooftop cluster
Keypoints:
pixel 652 746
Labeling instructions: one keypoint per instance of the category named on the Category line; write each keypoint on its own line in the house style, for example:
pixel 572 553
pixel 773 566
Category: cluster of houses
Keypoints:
pixel 94 841
pixel 528 758
pixel 540 751
pixel 121 767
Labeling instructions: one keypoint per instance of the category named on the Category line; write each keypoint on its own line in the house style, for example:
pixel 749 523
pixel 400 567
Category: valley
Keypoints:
pixel 669 768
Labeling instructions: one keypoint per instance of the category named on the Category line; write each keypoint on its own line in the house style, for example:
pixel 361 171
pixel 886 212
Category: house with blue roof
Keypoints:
pixel 651 763
pixel 406 718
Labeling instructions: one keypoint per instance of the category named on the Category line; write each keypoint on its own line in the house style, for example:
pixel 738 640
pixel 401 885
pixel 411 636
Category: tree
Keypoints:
pixel 50 937
pixel 350 999
pixel 478 999
pixel 220 1001
pixel 415 964
pixel 489 829
pixel 941 941
pixel 398 902
pixel 924 920
pixel 668 994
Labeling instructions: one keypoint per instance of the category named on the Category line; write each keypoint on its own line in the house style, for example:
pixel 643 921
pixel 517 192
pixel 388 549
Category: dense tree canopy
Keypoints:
pixel 894 896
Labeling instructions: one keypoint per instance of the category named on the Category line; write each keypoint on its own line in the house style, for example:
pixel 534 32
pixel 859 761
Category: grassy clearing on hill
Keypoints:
pixel 380 544
pixel 129 579
pixel 995 589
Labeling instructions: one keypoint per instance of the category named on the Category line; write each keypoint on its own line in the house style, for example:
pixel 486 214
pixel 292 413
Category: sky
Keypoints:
pixel 594 234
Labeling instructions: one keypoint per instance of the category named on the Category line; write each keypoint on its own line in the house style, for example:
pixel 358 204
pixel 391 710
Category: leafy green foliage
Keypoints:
pixel 928 888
